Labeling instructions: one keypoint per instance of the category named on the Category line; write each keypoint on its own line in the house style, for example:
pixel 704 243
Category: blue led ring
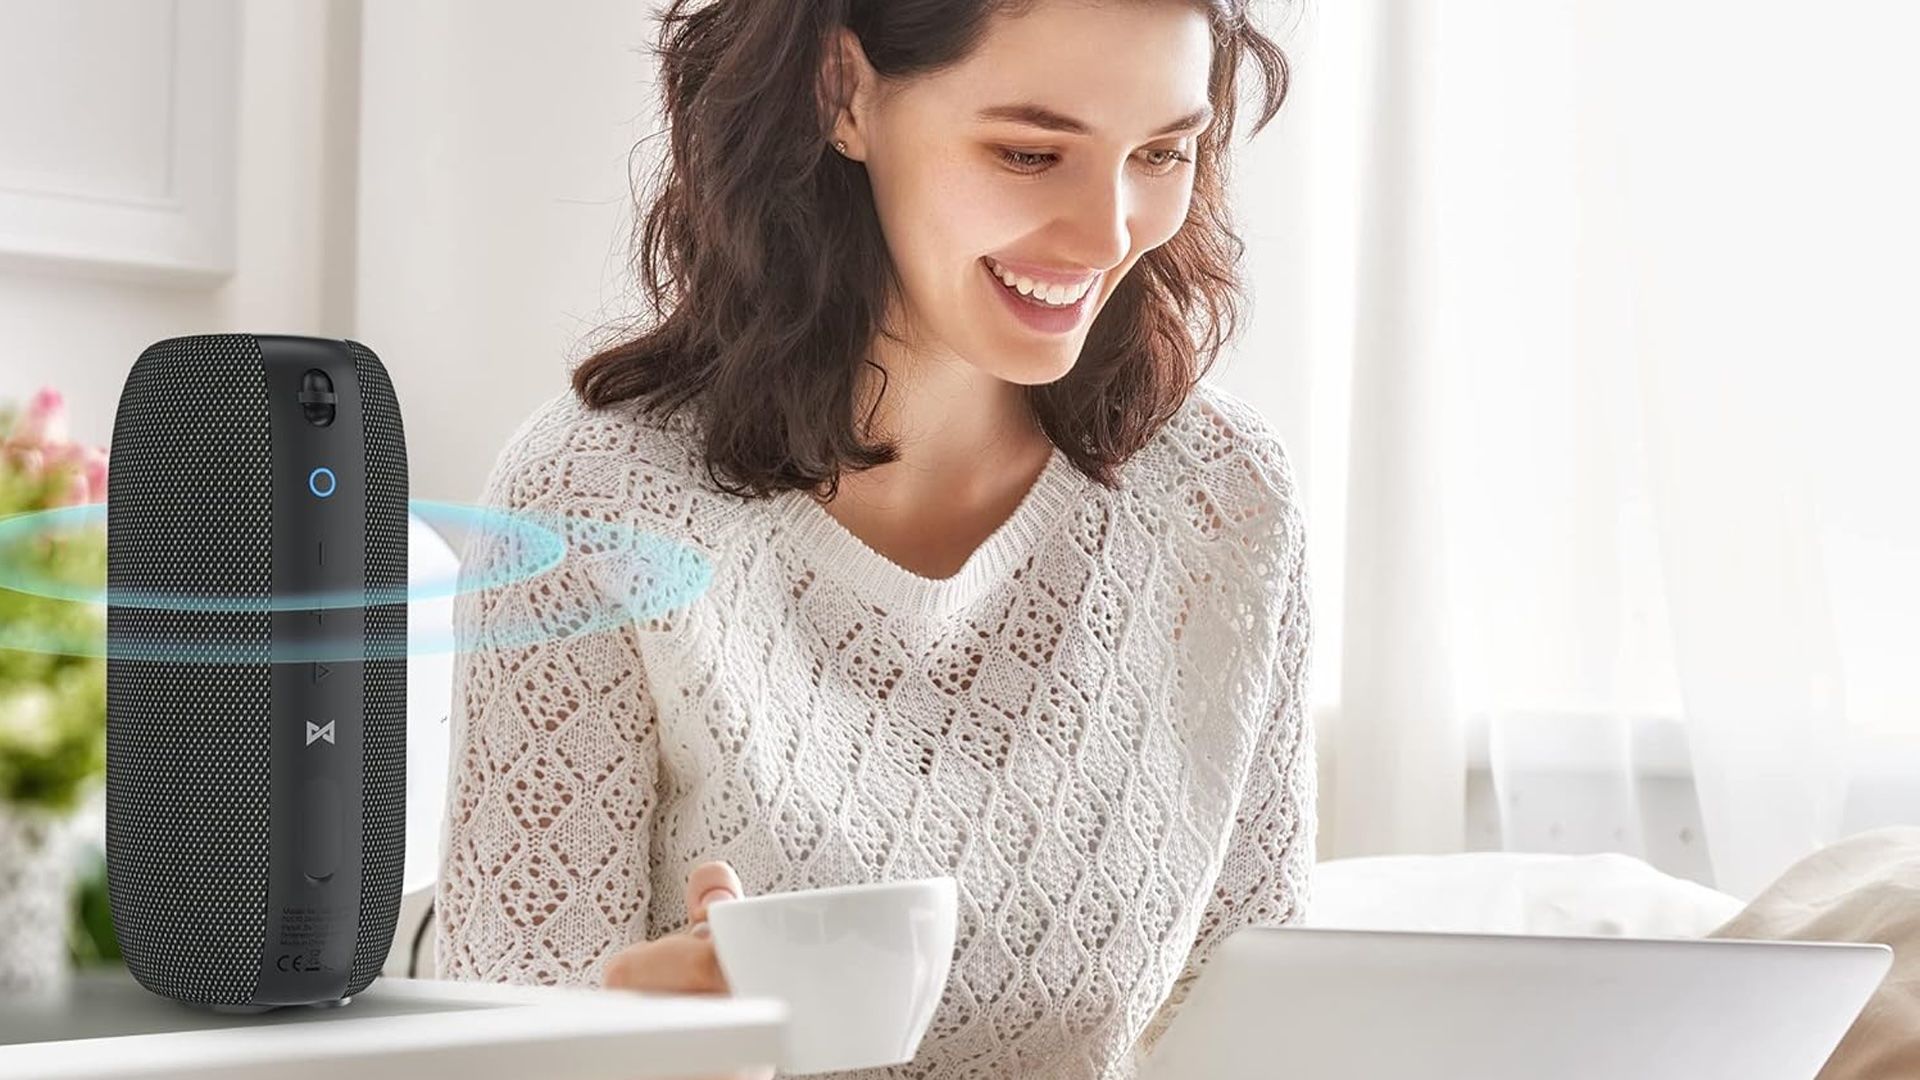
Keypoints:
pixel 313 481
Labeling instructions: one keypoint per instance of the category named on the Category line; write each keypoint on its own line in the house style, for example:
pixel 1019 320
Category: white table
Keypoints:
pixel 108 1026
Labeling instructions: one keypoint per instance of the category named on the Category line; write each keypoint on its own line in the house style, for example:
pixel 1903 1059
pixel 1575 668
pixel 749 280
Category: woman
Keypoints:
pixel 998 591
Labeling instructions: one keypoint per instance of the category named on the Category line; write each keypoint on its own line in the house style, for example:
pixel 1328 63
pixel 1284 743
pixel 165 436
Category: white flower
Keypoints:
pixel 27 720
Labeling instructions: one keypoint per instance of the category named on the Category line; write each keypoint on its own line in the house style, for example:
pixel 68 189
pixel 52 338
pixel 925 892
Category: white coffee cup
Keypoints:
pixel 861 968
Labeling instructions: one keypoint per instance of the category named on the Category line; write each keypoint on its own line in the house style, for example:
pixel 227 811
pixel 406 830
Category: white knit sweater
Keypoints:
pixel 1097 725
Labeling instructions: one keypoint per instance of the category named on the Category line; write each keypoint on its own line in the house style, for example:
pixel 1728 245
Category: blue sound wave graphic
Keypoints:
pixel 506 559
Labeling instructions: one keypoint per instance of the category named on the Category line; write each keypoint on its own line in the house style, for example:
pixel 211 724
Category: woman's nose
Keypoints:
pixel 1099 213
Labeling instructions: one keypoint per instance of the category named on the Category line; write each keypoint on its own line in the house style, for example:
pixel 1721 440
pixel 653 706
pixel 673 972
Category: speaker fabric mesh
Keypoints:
pixel 383 824
pixel 188 484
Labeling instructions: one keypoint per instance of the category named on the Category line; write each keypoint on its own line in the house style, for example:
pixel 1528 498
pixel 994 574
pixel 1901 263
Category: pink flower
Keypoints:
pixel 44 421
pixel 86 472
pixel 95 469
pixel 38 448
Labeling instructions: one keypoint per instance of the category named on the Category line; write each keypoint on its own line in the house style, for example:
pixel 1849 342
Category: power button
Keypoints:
pixel 321 482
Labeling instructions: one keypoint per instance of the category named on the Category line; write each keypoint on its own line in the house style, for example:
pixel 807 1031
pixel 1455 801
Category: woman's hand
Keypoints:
pixel 683 962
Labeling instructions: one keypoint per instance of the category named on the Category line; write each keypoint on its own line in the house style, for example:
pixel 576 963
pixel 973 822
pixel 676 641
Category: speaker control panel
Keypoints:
pixel 319 643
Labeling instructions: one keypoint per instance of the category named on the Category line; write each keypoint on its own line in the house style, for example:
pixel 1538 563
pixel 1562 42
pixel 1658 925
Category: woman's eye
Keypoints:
pixel 1022 161
pixel 1159 162
pixel 1167 162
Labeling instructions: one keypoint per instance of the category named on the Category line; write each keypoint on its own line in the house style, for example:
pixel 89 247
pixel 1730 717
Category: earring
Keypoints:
pixel 840 145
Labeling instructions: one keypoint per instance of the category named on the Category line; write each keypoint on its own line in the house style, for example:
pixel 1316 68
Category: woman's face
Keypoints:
pixel 1058 152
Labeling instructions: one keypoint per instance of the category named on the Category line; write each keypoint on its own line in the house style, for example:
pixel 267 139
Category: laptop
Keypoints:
pixel 1284 1002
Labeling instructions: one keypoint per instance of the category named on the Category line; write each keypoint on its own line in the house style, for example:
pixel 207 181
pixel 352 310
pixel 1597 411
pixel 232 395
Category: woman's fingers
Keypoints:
pixel 680 963
pixel 674 964
pixel 710 882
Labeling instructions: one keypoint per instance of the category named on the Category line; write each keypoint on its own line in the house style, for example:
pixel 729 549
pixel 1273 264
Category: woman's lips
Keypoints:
pixel 1038 315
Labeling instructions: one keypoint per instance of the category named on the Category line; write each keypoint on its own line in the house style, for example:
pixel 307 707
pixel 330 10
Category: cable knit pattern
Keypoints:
pixel 1096 725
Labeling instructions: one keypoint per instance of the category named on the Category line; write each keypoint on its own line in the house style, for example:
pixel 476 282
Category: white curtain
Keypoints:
pixel 1622 294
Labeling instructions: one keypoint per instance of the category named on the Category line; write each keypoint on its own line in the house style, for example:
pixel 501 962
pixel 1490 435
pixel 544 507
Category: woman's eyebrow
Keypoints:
pixel 1042 117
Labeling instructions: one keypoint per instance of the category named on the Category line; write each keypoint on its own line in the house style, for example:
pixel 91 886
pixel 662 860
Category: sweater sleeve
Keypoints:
pixel 544 869
pixel 1267 871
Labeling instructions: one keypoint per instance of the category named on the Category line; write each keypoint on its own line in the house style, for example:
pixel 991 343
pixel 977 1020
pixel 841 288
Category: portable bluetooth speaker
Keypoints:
pixel 256 720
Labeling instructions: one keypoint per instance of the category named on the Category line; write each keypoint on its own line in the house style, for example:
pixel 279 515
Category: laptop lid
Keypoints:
pixel 1359 1004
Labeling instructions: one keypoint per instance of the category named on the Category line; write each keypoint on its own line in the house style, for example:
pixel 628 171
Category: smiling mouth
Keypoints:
pixel 1050 295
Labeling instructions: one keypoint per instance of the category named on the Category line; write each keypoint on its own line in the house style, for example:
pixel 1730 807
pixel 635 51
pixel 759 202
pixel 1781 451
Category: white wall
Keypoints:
pixel 494 209
pixel 80 328
pixel 446 182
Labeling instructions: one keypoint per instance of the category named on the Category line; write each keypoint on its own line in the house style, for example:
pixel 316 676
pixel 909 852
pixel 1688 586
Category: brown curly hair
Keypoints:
pixel 767 274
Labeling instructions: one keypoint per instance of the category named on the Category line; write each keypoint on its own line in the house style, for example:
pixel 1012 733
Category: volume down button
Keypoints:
pixel 321 821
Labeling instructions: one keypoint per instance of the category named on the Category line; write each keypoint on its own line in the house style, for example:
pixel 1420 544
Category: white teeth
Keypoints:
pixel 1054 294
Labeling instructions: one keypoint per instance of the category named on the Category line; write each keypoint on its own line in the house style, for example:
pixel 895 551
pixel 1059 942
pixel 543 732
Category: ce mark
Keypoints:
pixel 297 962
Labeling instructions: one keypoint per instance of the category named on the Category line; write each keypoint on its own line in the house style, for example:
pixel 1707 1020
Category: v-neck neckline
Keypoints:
pixel 836 549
